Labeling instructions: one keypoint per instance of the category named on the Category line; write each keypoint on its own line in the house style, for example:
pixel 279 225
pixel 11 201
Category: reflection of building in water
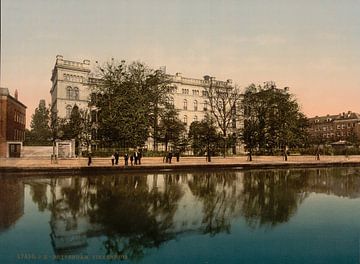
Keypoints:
pixel 11 202
pixel 176 207
pixel 70 225
pixel 207 202
pixel 340 182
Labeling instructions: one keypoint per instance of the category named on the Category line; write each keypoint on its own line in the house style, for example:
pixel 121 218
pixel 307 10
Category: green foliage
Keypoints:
pixel 272 119
pixel 72 127
pixel 224 100
pixel 171 128
pixel 40 133
pixel 204 137
pixel 129 100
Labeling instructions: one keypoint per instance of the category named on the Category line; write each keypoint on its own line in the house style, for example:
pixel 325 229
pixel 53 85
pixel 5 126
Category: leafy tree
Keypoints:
pixel 129 102
pixel 78 127
pixel 40 133
pixel 272 119
pixel 224 100
pixel 203 136
pixel 171 128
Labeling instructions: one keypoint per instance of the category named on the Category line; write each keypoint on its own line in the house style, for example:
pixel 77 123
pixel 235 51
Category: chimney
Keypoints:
pixel 207 78
pixel 16 94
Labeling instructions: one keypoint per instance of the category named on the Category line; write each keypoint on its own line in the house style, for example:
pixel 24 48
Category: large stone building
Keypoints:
pixel 71 82
pixel 70 86
pixel 333 128
pixel 12 124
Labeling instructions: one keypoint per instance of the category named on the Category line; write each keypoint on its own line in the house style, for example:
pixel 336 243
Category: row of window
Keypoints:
pixel 73 78
pixel 185 119
pixel 194 92
pixel 338 134
pixel 330 128
pixel 185 105
pixel 72 93
pixel 185 91
pixel 19 135
pixel 19 117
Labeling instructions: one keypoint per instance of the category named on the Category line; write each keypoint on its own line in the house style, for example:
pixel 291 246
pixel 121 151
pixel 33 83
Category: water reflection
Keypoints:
pixel 139 212
pixel 11 202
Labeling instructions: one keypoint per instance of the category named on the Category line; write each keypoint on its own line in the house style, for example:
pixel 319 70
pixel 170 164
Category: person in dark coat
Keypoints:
pixel 131 160
pixel 116 157
pixel 126 159
pixel 89 159
pixel 112 159
pixel 136 157
pixel 170 156
pixel 139 156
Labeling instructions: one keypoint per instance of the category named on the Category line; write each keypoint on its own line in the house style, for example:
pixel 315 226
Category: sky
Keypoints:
pixel 311 46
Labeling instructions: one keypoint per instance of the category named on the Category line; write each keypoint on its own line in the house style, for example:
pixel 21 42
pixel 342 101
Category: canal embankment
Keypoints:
pixel 22 167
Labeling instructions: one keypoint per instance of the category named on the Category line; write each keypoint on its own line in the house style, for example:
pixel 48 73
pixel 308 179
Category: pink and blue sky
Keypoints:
pixel 312 46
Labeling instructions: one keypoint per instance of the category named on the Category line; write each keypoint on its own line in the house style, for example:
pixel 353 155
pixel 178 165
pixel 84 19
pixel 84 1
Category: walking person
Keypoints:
pixel 136 156
pixel 285 154
pixel 126 159
pixel 89 159
pixel 170 157
pixel 317 154
pixel 116 157
pixel 131 160
pixel 139 156
pixel 177 155
pixel 112 159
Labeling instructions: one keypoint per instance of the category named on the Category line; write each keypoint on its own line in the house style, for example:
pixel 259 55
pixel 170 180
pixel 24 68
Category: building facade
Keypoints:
pixel 70 86
pixel 333 128
pixel 12 124
pixel 71 83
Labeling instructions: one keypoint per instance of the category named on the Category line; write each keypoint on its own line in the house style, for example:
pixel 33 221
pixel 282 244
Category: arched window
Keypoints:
pixel 195 105
pixel 205 106
pixel 68 111
pixel 76 93
pixel 185 104
pixel 185 119
pixel 69 92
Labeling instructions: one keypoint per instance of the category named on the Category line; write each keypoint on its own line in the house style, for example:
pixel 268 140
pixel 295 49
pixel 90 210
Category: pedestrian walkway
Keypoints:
pixel 158 161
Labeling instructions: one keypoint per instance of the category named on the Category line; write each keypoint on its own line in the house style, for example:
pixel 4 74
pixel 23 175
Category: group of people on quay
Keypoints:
pixel 169 155
pixel 135 158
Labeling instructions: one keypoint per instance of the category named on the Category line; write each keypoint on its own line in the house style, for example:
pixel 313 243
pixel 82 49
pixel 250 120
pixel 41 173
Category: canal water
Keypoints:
pixel 232 216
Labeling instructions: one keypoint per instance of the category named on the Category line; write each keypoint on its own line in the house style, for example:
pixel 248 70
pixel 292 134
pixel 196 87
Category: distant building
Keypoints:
pixel 71 83
pixel 332 128
pixel 12 124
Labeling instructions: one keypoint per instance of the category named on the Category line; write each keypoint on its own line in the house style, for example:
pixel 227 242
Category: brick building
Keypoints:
pixel 12 124
pixel 332 128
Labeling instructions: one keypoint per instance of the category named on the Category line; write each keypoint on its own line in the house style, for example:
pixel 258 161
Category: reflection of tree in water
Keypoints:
pixel 136 212
pixel 39 195
pixel 220 195
pixel 134 217
pixel 272 197
pixel 73 196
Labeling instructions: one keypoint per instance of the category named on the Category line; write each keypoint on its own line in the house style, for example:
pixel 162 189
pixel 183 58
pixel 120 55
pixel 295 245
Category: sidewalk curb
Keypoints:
pixel 93 170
